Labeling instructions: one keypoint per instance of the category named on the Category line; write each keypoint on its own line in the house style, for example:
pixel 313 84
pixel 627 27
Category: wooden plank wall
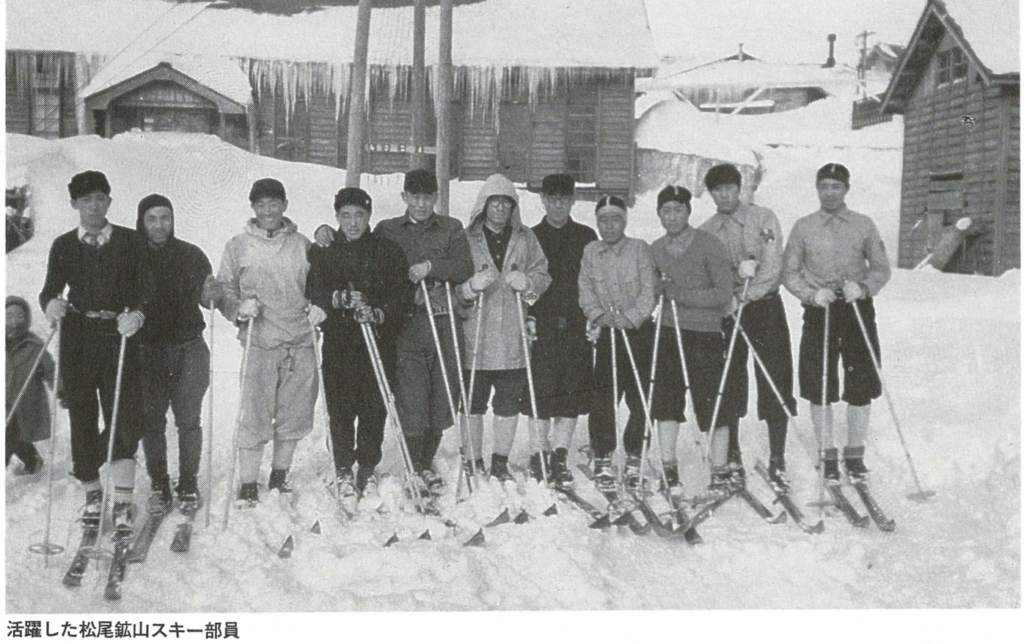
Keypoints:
pixel 547 149
pixel 615 124
pixel 19 106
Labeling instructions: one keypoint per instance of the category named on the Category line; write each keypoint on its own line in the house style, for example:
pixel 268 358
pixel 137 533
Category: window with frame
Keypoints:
pixel 46 113
pixel 581 134
pixel 953 65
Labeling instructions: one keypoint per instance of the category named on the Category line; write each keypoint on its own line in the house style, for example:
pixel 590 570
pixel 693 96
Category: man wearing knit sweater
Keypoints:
pixel 753 239
pixel 697 284
pixel 109 295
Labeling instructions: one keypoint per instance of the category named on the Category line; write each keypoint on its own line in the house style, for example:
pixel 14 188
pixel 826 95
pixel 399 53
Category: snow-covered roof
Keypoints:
pixel 750 73
pixel 991 28
pixel 497 33
pixel 675 126
pixel 219 74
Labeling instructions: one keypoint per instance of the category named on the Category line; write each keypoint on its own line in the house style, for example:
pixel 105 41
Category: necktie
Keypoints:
pixel 93 239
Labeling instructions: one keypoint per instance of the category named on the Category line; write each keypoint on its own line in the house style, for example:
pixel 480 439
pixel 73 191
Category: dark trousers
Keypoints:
pixel 705 358
pixel 89 355
pixel 174 376
pixel 845 339
pixel 602 411
pixel 563 377
pixel 421 399
pixel 24 450
pixel 352 393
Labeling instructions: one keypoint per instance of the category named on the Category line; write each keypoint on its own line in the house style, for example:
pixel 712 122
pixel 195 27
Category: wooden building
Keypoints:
pixel 539 87
pixel 957 87
pixel 41 93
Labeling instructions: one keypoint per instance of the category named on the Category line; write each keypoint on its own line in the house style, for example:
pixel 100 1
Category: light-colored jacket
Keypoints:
pixel 271 268
pixel 501 345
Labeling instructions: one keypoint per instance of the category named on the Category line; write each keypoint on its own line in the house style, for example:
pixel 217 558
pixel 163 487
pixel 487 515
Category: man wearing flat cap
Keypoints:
pixel 561 356
pixel 753 237
pixel 263 278
pixel 109 298
pixel 835 261
pixel 360 278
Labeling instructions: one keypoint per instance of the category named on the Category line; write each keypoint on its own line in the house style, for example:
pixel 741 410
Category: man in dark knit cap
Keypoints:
pixel 835 260
pixel 753 237
pixel 175 358
pixel 263 276
pixel 110 293
pixel 359 279
pixel 561 354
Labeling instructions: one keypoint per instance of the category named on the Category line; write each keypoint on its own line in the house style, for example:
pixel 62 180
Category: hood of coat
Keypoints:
pixel 22 331
pixel 496 185
pixel 253 228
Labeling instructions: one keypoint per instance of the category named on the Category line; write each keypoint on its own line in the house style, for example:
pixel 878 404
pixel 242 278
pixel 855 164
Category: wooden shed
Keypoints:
pixel 41 93
pixel 958 89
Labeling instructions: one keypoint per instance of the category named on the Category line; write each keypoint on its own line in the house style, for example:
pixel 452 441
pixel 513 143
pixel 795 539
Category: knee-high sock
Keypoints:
pixel 543 432
pixel 284 450
pixel 562 431
pixel 122 475
pixel 777 429
pixel 668 434
pixel 734 440
pixel 249 460
pixel 476 437
pixel 858 419
pixel 504 434
pixel 720 446
pixel 821 418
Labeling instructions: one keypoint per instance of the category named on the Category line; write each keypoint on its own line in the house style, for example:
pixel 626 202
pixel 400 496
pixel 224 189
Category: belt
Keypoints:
pixel 101 315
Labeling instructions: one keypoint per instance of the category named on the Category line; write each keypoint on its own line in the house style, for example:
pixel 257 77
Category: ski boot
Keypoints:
pixel 499 469
pixel 604 475
pixel 675 488
pixel 33 464
pixel 345 490
pixel 248 495
pixel 124 520
pixel 777 475
pixel 737 475
pixel 160 498
pixel 93 508
pixel 535 470
pixel 434 483
pixel 278 482
pixel 853 460
pixel 478 465
pixel 830 458
pixel 560 469
pixel 631 474
pixel 188 494
pixel 721 482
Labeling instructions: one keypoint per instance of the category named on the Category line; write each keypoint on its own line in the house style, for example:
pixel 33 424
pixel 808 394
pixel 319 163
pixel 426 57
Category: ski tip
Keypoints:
pixel 552 511
pixel 604 521
pixel 888 526
pixel 624 519
pixel 316 529
pixel 863 522
pixel 392 540
pixel 477 539
pixel 782 518
pixel 451 524
pixel 425 536
pixel 521 518
pixel 286 548
pixel 504 517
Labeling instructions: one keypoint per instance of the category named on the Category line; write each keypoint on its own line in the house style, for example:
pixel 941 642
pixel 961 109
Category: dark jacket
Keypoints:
pixel 558 308
pixel 179 270
pixel 33 415
pixel 109 278
pixel 372 265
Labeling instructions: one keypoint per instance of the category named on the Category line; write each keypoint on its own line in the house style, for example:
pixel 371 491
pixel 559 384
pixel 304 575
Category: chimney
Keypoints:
pixel 831 62
pixel 741 52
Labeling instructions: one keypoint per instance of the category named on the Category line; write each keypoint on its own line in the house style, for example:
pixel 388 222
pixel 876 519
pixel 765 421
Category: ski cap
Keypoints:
pixel 610 201
pixel 152 201
pixel 420 182
pixel 558 185
pixel 353 197
pixel 836 171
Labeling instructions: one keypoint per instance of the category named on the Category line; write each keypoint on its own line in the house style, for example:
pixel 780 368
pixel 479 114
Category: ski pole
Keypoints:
pixel 825 420
pixel 464 418
pixel 476 351
pixel 535 433
pixel 238 422
pixel 615 391
pixel 389 404
pixel 31 373
pixel 318 349
pixel 46 547
pixel 209 427
pixel 444 366
pixel 113 423
pixel 921 494
pixel 728 364
pixel 688 391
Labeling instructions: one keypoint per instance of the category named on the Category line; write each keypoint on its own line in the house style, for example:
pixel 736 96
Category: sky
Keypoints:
pixel 781 31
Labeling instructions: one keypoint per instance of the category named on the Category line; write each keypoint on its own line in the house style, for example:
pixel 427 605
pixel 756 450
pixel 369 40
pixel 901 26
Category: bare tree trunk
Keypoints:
pixel 442 105
pixel 357 97
pixel 417 157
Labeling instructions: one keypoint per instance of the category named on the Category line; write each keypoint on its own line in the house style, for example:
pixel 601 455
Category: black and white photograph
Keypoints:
pixel 318 309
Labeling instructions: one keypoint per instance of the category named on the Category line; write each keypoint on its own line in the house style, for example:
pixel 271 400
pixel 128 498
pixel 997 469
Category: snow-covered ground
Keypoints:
pixel 951 347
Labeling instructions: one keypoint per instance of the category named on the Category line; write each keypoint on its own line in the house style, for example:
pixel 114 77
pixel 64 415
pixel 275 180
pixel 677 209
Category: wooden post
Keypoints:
pixel 442 106
pixel 418 158
pixel 250 115
pixel 357 97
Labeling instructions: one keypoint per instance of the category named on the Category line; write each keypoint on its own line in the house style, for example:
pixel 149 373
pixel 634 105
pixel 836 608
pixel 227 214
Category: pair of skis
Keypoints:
pixel 875 513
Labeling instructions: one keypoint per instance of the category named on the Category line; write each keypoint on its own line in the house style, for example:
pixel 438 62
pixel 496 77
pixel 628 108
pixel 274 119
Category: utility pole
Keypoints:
pixel 417 157
pixel 357 97
pixel 442 105
pixel 862 67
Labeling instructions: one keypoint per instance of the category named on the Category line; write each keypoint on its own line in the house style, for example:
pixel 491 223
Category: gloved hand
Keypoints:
pixel 129 323
pixel 347 299
pixel 517 280
pixel 249 310
pixel 593 332
pixel 531 329
pixel 315 315
pixel 323 236
pixel 419 271
pixel 853 291
pixel 823 297
pixel 213 292
pixel 56 309
pixel 482 279
pixel 365 314
pixel 747 269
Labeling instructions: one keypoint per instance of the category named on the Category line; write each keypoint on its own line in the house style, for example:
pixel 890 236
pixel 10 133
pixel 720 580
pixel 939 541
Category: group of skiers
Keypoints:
pixel 553 322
